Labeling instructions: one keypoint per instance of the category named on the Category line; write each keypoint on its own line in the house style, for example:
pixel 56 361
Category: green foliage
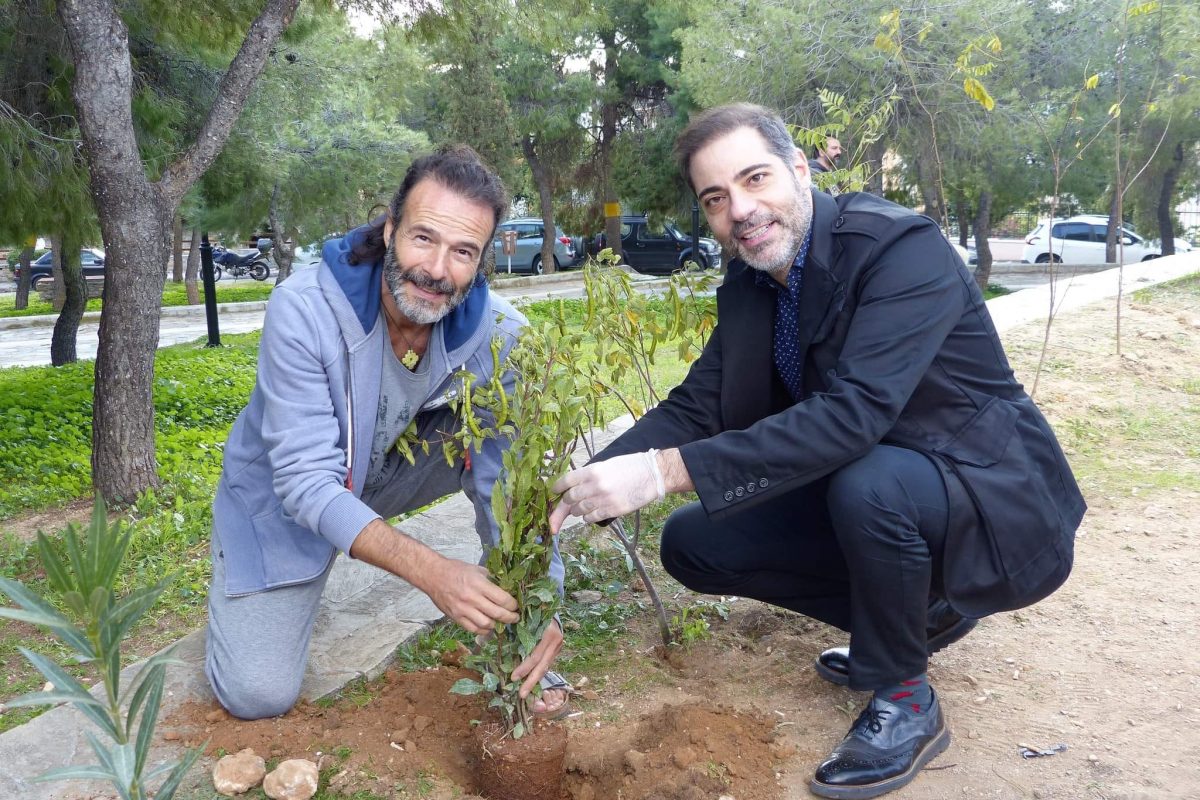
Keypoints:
pixel 174 294
pixel 45 432
pixel 84 577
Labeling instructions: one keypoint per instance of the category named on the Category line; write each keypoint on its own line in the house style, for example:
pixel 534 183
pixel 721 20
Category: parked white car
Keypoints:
pixel 1080 240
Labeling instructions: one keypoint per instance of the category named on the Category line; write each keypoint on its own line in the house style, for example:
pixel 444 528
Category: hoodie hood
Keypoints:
pixel 362 284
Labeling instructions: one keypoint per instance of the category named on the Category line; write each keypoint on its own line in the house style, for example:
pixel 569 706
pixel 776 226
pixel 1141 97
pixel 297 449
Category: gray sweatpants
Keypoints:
pixel 257 646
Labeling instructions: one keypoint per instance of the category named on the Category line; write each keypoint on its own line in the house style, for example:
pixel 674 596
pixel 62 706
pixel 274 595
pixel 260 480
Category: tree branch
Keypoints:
pixel 232 93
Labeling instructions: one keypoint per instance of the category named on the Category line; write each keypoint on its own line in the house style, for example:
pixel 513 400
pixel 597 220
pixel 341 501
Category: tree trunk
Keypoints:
pixel 191 272
pixel 26 279
pixel 177 250
pixel 283 253
pixel 66 327
pixel 59 296
pixel 608 136
pixel 545 194
pixel 875 155
pixel 962 210
pixel 1114 225
pixel 983 250
pixel 927 184
pixel 1166 199
pixel 136 218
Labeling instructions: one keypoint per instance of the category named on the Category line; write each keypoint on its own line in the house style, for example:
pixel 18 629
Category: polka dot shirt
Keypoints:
pixel 787 321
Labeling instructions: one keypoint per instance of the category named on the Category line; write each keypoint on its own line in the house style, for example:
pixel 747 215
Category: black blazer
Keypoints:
pixel 898 348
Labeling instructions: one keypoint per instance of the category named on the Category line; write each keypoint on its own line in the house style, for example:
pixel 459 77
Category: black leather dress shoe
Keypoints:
pixel 943 627
pixel 885 749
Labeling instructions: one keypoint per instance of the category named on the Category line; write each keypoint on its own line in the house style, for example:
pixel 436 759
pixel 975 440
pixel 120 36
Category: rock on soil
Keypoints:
pixel 238 773
pixel 294 779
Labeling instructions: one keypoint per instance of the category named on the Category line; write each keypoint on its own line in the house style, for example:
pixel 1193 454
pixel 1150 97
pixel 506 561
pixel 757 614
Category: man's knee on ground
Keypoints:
pixel 255 700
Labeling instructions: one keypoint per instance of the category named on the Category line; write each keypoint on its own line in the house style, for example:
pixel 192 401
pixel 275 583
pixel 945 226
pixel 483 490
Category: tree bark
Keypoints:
pixel 875 154
pixel 962 210
pixel 927 184
pixel 135 219
pixel 283 254
pixel 191 272
pixel 983 250
pixel 26 279
pixel 66 327
pixel 541 179
pixel 59 295
pixel 1114 225
pixel 1166 198
pixel 177 250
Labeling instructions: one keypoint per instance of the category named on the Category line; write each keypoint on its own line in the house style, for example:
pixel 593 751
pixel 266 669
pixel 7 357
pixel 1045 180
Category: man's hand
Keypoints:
pixel 609 489
pixel 462 591
pixel 465 594
pixel 536 663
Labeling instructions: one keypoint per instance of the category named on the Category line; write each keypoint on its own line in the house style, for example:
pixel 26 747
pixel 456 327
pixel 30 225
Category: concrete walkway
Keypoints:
pixel 367 613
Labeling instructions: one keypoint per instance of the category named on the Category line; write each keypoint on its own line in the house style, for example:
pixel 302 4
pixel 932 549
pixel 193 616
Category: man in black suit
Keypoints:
pixel 860 447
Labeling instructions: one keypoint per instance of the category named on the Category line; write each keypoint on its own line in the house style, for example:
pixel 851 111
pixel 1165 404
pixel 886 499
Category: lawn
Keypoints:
pixel 174 294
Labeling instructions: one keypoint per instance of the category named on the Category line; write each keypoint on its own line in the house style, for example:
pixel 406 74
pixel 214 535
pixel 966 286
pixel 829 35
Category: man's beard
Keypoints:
pixel 794 222
pixel 417 309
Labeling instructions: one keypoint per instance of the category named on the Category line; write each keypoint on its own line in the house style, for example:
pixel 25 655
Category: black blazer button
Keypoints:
pixel 750 487
pixel 739 491
pixel 762 483
pixel 839 222
pixel 728 497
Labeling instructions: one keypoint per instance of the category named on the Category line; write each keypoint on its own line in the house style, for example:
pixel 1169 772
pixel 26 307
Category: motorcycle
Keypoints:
pixel 253 264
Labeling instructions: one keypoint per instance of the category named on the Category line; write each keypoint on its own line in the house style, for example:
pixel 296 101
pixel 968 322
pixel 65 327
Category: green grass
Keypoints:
pixel 174 294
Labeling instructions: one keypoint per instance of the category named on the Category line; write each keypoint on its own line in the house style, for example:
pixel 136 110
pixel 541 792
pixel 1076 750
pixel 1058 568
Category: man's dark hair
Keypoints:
pixel 716 122
pixel 458 168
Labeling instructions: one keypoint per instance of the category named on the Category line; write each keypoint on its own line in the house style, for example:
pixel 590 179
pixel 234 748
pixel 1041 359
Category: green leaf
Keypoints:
pixel 491 681
pixel 90 772
pixel 146 726
pixel 64 682
pixel 119 760
pixel 56 572
pixel 466 686
pixel 519 730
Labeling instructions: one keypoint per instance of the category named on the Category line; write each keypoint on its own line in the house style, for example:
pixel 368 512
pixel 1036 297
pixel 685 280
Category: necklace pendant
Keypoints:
pixel 410 358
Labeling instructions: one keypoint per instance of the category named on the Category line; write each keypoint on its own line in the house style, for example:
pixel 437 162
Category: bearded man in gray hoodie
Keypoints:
pixel 352 354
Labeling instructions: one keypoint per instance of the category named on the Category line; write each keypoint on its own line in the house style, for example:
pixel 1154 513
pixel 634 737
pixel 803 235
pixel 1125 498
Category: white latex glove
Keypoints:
pixel 609 489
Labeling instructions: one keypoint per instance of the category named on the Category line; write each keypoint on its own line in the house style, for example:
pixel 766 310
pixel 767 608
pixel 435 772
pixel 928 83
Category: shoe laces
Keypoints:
pixel 871 718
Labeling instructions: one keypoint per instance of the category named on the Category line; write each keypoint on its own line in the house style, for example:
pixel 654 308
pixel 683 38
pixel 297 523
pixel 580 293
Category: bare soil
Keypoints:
pixel 1108 666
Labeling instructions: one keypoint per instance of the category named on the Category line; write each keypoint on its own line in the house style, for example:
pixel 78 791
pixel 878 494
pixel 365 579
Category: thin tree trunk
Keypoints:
pixel 283 253
pixel 875 154
pixel 59 294
pixel 541 179
pixel 983 250
pixel 608 135
pixel 962 210
pixel 66 327
pixel 191 272
pixel 177 250
pixel 26 279
pixel 1166 199
pixel 927 184
pixel 1114 226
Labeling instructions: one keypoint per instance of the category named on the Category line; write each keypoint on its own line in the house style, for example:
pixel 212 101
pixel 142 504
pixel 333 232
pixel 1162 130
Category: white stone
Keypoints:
pixel 294 779
pixel 238 773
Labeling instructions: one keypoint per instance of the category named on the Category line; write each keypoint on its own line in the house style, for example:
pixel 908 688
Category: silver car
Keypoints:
pixel 528 256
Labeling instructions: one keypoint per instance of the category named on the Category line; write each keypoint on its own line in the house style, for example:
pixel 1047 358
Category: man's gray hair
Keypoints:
pixel 717 122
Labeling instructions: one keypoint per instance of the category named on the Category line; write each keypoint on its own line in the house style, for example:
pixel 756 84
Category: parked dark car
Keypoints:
pixel 660 248
pixel 91 259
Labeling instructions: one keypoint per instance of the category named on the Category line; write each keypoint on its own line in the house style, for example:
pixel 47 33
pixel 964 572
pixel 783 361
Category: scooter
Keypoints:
pixel 252 264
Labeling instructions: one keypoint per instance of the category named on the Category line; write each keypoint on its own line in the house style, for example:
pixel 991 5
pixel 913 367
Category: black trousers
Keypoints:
pixel 860 550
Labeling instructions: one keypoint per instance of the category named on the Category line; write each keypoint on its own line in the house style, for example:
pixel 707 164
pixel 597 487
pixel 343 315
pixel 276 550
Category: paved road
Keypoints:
pixel 31 346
